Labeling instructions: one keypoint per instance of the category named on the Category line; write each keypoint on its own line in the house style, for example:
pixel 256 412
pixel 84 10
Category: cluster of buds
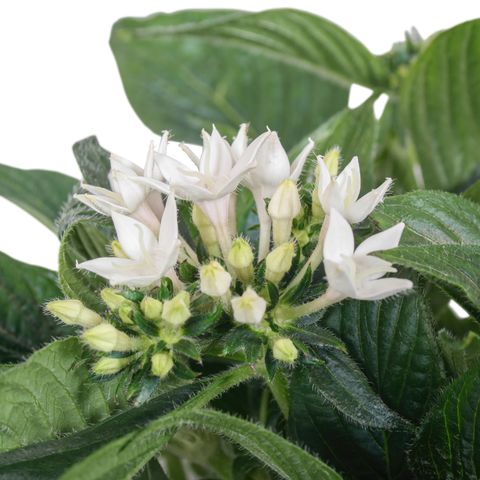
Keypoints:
pixel 224 287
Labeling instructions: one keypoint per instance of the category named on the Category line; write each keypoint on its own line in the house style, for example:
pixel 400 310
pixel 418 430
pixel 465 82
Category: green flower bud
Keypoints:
pixel 112 299
pixel 170 334
pixel 73 312
pixel 214 279
pixel 117 249
pixel 240 257
pixel 206 230
pixel 284 350
pixel 151 308
pixel 106 338
pixel 302 238
pixel 279 262
pixel 176 311
pixel 162 363
pixel 125 313
pixel 332 159
pixel 110 366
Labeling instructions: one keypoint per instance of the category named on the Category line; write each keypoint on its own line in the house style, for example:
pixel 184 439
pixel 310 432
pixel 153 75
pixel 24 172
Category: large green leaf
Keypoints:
pixel 441 106
pixel 52 394
pixel 39 192
pixel 122 458
pixel 93 160
pixel 23 291
pixel 185 70
pixel 441 240
pixel 393 343
pixel 447 445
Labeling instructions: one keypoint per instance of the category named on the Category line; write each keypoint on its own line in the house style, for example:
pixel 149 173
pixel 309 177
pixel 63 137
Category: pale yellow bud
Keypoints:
pixel 240 258
pixel 112 299
pixel 206 231
pixel 73 312
pixel 151 308
pixel 279 262
pixel 110 366
pixel 284 206
pixel 106 338
pixel 162 363
pixel 176 311
pixel 284 350
pixel 125 313
pixel 249 308
pixel 332 159
pixel 317 210
pixel 214 279
pixel 117 249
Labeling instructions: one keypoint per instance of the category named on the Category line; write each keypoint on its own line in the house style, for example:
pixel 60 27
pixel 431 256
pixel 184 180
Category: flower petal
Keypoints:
pixel 168 234
pixel 385 240
pixel 383 288
pixel 133 194
pixel 299 162
pixel 339 241
pixel 239 145
pixel 350 181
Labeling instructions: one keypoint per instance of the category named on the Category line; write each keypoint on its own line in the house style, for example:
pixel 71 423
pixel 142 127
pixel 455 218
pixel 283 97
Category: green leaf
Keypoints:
pixel 23 325
pixel 447 442
pixel 394 344
pixel 473 192
pixel 460 354
pixel 41 193
pixel 124 457
pixel 441 109
pixel 93 160
pixel 185 70
pixel 83 240
pixel 56 395
pixel 337 379
pixel 315 336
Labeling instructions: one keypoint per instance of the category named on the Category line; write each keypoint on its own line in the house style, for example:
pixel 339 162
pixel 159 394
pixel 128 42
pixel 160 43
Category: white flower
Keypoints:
pixel 272 165
pixel 214 280
pixel 341 193
pixel 149 257
pixel 353 272
pixel 128 196
pixel 249 308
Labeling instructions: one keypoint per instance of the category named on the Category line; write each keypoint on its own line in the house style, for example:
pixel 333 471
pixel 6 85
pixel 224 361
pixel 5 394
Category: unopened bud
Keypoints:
pixel 249 308
pixel 214 279
pixel 332 159
pixel 279 262
pixel 110 366
pixel 317 210
pixel 73 312
pixel 125 312
pixel 106 338
pixel 151 308
pixel 206 231
pixel 284 350
pixel 117 249
pixel 240 258
pixel 112 299
pixel 302 238
pixel 162 363
pixel 176 311
pixel 284 206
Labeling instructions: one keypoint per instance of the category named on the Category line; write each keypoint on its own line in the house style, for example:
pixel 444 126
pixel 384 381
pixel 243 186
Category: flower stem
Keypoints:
pixel 329 298
pixel 265 225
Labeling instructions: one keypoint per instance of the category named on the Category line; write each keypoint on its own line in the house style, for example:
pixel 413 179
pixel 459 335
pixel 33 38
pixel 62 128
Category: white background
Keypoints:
pixel 59 82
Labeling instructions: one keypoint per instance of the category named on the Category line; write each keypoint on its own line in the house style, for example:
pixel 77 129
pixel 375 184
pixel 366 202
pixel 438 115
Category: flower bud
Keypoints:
pixel 279 262
pixel 162 363
pixel 284 206
pixel 112 299
pixel 110 366
pixel 249 308
pixel 125 313
pixel 73 312
pixel 117 249
pixel 151 308
pixel 302 238
pixel 214 279
pixel 176 311
pixel 206 231
pixel 106 338
pixel 284 350
pixel 240 258
pixel 331 159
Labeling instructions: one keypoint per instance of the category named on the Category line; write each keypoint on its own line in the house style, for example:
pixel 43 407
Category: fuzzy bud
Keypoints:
pixel 151 308
pixel 110 366
pixel 125 313
pixel 73 312
pixel 206 231
pixel 284 350
pixel 279 262
pixel 162 363
pixel 240 258
pixel 284 206
pixel 176 311
pixel 112 299
pixel 249 308
pixel 332 159
pixel 214 279
pixel 106 338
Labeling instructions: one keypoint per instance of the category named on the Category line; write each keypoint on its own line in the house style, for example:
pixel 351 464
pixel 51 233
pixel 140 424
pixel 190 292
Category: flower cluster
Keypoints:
pixel 217 292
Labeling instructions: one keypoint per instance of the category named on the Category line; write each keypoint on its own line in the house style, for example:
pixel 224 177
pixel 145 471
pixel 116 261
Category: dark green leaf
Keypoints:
pixel 441 107
pixel 200 324
pixel 460 354
pixel 39 192
pixel 189 348
pixel 315 336
pixel 93 160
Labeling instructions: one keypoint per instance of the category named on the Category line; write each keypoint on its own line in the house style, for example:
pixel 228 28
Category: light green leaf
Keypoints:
pixel 23 325
pixel 186 70
pixel 473 192
pixel 39 192
pixel 447 442
pixel 441 107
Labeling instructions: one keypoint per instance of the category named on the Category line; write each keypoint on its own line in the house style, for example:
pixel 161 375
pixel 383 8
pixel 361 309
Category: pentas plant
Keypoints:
pixel 171 303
